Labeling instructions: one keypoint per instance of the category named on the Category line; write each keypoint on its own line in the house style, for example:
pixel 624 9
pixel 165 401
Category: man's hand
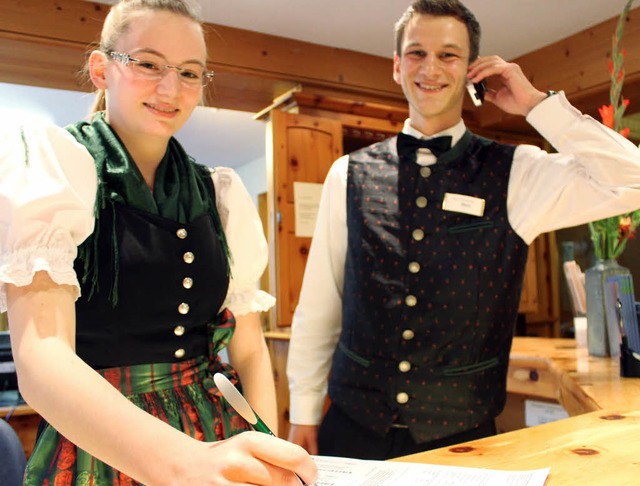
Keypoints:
pixel 306 436
pixel 507 86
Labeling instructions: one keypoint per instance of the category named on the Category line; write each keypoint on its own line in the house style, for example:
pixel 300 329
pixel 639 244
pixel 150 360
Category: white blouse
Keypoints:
pixel 48 186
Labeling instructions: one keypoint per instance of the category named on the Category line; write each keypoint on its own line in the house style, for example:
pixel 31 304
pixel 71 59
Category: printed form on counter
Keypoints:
pixel 340 471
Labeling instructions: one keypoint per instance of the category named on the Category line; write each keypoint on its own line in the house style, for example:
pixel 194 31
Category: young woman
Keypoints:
pixel 122 265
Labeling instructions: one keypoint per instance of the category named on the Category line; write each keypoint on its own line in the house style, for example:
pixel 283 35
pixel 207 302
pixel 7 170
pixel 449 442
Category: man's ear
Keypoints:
pixel 396 69
pixel 97 68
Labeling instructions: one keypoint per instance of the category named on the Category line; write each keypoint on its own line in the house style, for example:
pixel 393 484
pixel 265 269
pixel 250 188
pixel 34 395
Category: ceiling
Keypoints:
pixel 510 28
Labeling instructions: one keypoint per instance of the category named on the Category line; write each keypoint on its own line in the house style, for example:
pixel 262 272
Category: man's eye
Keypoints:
pixel 190 74
pixel 416 54
pixel 448 56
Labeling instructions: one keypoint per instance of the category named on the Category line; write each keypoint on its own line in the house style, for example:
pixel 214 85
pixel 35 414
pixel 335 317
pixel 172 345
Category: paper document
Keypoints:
pixel 306 201
pixel 339 471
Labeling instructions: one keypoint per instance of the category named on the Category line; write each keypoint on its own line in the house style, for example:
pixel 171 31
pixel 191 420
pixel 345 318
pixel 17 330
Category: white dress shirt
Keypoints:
pixel 596 174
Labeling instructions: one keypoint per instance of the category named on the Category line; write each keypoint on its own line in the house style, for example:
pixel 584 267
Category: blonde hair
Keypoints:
pixel 118 21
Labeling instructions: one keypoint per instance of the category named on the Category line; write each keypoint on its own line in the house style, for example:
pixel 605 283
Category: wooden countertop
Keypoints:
pixel 599 444
pixel 556 369
pixel 598 448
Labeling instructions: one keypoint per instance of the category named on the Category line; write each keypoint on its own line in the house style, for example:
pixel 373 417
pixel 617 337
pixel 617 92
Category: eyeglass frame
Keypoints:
pixel 125 59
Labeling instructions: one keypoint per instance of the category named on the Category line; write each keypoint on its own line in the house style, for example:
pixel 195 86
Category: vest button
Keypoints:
pixel 179 353
pixel 425 172
pixel 183 308
pixel 417 234
pixel 188 257
pixel 404 366
pixel 421 202
pixel 178 330
pixel 414 267
pixel 410 300
pixel 182 233
pixel 402 397
pixel 408 334
pixel 187 282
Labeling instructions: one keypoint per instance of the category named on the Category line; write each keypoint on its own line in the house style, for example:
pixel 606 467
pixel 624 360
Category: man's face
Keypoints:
pixel 432 70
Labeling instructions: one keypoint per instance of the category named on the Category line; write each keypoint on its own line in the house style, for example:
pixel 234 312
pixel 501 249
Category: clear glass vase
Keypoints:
pixel 595 284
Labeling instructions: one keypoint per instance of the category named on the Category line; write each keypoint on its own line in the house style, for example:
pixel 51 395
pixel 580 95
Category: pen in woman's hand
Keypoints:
pixel 240 405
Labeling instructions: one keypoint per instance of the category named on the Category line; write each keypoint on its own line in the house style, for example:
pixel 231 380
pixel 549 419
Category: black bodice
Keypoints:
pixel 171 280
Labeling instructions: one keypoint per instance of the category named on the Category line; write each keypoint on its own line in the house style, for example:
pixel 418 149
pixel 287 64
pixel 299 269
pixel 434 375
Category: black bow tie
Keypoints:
pixel 407 145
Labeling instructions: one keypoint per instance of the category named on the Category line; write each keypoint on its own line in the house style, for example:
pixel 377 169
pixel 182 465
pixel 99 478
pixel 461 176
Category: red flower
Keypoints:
pixel 607 114
pixel 67 457
pixel 63 478
pixel 625 132
pixel 625 227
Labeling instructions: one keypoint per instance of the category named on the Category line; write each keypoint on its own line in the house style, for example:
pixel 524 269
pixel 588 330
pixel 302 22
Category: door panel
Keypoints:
pixel 302 149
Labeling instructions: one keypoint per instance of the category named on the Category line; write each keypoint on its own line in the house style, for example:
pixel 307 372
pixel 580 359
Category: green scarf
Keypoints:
pixel 181 190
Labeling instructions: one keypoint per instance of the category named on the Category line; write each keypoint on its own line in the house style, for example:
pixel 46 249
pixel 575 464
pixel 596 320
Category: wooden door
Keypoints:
pixel 300 148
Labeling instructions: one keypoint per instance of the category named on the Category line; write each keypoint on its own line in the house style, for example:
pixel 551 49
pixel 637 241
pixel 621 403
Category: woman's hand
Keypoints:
pixel 248 458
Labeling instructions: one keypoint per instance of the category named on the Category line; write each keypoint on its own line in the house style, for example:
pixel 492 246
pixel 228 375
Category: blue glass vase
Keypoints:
pixel 595 286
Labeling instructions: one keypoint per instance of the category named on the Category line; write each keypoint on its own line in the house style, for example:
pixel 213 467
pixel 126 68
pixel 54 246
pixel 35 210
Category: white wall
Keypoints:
pixel 254 176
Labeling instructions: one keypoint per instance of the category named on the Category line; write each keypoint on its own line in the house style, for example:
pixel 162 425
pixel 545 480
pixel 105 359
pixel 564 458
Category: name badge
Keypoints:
pixel 459 203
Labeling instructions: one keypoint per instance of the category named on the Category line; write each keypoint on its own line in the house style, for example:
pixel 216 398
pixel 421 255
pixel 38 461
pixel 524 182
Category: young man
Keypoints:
pixel 412 286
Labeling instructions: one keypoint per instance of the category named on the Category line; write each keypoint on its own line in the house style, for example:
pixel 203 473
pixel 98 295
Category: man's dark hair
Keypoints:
pixel 441 8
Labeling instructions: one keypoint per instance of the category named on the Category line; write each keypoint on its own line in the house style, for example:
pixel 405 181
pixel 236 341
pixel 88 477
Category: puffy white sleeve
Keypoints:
pixel 47 192
pixel 247 243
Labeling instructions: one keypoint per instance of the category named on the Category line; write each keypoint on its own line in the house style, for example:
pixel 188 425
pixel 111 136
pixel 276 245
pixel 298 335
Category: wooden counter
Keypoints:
pixel 599 444
pixel 554 369
pixel 598 448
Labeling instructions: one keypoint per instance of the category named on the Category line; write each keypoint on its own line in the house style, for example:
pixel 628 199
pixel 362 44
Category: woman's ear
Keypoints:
pixel 97 68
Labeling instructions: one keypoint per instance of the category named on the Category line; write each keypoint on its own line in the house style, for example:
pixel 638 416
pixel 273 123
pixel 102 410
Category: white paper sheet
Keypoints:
pixel 306 201
pixel 338 471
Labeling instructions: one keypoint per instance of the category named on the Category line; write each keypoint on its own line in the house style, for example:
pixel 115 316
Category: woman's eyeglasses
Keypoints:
pixel 153 69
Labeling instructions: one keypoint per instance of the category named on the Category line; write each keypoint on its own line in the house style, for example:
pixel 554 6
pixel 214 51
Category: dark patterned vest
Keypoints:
pixel 430 296
pixel 172 282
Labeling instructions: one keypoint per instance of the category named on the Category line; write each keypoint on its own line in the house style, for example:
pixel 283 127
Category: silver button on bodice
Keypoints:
pixel 182 233
pixel 183 308
pixel 421 202
pixel 410 300
pixel 425 172
pixel 187 282
pixel 178 330
pixel 402 397
pixel 188 257
pixel 404 366
pixel 414 267
pixel 417 234
pixel 179 353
